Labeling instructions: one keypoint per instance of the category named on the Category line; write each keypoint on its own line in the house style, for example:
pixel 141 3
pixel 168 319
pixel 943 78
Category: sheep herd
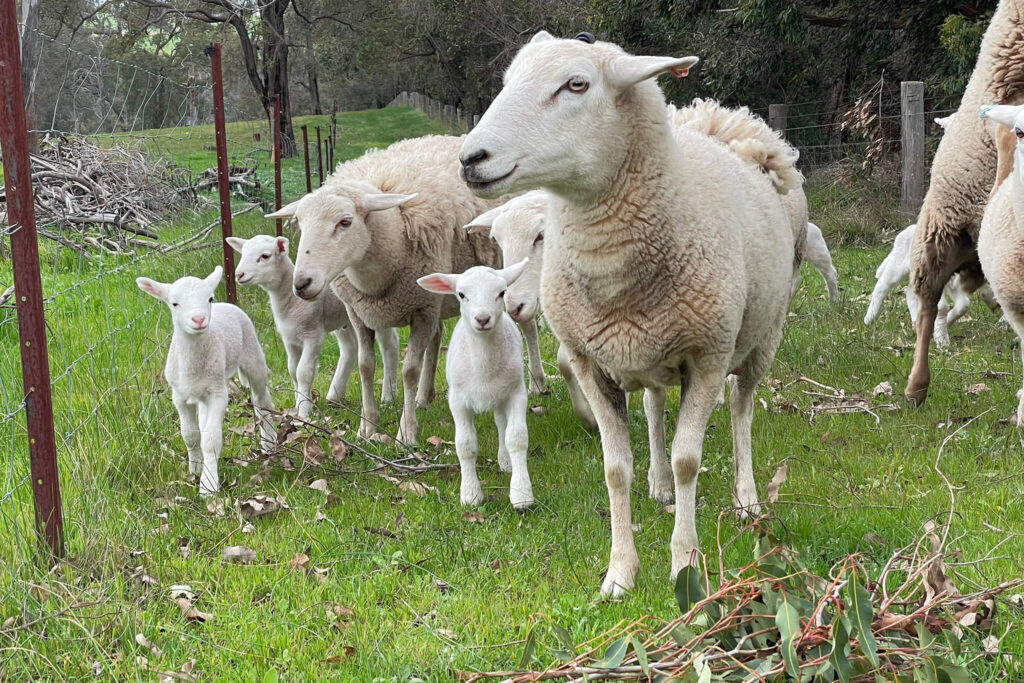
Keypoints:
pixel 662 245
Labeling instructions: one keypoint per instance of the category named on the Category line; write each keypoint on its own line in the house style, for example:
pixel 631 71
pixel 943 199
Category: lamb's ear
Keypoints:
pixel 484 222
pixel 383 202
pixel 1004 114
pixel 286 211
pixel 236 243
pixel 512 273
pixel 625 71
pixel 155 289
pixel 213 279
pixel 282 245
pixel 541 36
pixel 943 122
pixel 439 283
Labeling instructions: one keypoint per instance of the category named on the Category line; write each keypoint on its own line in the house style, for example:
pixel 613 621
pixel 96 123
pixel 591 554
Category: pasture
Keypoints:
pixel 399 583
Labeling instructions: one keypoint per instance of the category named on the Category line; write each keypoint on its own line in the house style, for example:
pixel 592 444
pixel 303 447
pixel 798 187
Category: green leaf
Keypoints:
pixel 689 588
pixel 614 655
pixel 561 655
pixel 924 636
pixel 528 648
pixel 270 676
pixel 641 655
pixel 862 613
pixel 840 639
pixel 788 621
pixel 682 635
pixel 953 640
pixel 954 674
pixel 564 638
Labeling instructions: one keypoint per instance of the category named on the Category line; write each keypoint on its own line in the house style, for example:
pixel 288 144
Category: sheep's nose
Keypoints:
pixel 198 320
pixel 239 276
pixel 301 285
pixel 516 312
pixel 474 157
pixel 482 319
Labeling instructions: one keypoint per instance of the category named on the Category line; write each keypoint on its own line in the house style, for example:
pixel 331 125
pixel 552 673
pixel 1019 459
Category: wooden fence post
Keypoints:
pixel 912 146
pixel 778 115
pixel 276 137
pixel 223 178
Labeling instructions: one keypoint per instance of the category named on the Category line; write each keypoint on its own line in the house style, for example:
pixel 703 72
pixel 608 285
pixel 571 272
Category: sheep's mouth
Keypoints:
pixel 488 184
pixel 243 282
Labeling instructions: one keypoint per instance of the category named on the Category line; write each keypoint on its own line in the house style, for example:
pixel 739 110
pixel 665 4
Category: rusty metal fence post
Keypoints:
pixel 277 161
pixel 319 157
pixel 28 289
pixel 305 147
pixel 223 183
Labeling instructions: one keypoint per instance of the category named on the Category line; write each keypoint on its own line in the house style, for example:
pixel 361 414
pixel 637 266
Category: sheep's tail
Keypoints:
pixel 747 135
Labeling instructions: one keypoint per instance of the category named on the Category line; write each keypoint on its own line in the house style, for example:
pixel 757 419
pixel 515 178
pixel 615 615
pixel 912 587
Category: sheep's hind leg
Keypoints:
pixel 580 406
pixel 659 473
pixel 305 372
pixel 501 422
pixel 608 402
pixel 428 375
pixel 190 433
pixel 369 416
pixel 422 333
pixel 387 340
pixel 262 403
pixel 470 491
pixel 538 381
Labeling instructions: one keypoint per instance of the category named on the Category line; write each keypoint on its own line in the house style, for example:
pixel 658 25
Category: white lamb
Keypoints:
pixel 210 343
pixel 817 253
pixel 485 375
pixel 664 263
pixel 303 324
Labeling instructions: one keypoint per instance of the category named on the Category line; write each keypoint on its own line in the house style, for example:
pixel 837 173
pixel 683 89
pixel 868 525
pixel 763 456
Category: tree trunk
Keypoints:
pixel 275 70
pixel 29 67
pixel 314 79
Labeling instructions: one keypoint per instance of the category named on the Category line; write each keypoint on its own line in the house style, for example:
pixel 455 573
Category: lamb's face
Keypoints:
pixel 556 123
pixel 337 232
pixel 481 293
pixel 261 261
pixel 1013 118
pixel 189 298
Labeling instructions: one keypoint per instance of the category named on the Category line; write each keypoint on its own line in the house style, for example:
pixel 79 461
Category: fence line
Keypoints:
pixel 454 117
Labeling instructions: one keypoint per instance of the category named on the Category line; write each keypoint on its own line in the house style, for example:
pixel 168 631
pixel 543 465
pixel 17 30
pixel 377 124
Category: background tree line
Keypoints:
pixel 313 54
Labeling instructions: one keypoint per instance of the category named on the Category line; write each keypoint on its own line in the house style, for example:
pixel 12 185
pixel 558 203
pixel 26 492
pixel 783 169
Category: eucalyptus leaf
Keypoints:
pixel 614 655
pixel 689 588
pixel 641 655
pixel 862 613
pixel 788 622
pixel 564 638
pixel 840 640
pixel 528 649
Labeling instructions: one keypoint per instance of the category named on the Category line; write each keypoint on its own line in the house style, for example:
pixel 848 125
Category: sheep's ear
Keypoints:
pixel 541 36
pixel 286 211
pixel 484 222
pixel 213 279
pixel 155 289
pixel 1000 113
pixel 383 202
pixel 625 71
pixel 943 122
pixel 512 273
pixel 236 243
pixel 282 245
pixel 439 283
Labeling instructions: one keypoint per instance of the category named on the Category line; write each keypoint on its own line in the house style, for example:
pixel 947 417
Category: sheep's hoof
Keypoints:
pixel 425 398
pixel 366 429
pixel 917 395
pixel 539 388
pixel 619 581
pixel 661 492
pixel 471 497
pixel 523 504
pixel 195 468
pixel 504 462
pixel 387 396
pixel 337 398
pixel 207 493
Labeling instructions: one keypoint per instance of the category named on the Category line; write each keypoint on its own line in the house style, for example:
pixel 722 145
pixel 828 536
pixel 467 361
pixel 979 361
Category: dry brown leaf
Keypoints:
pixel 181 590
pixel 191 613
pixel 537 410
pixel 435 441
pixel 380 437
pixel 312 451
pixel 777 481
pixel 935 579
pixel 144 642
pixel 258 506
pixel 380 532
pixel 342 612
pixel 450 635
pixel 978 388
pixel 184 551
pixel 991 645
pixel 216 507
pixel 883 389
pixel 320 485
pixel 441 586
pixel 255 480
pixel 473 517
pixel 248 528
pixel 298 562
pixel 416 488
pixel 319 516
pixel 339 451
pixel 238 554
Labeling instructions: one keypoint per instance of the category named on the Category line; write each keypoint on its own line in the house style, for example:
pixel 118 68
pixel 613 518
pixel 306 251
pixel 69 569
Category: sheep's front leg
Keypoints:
pixel 388 342
pixel 348 355
pixel 421 333
pixel 697 404
pixel 517 443
pixel 538 381
pixel 609 405
pixel 294 352
pixel 211 424
pixel 501 422
pixel 190 433
pixel 369 416
pixel 305 371
pixel 425 395
pixel 470 491
pixel 262 404
pixel 580 406
pixel 659 474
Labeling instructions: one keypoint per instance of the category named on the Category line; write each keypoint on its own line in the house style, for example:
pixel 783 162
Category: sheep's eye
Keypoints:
pixel 344 222
pixel 539 238
pixel 263 257
pixel 461 295
pixel 1019 132
pixel 211 299
pixel 501 294
pixel 175 305
pixel 577 85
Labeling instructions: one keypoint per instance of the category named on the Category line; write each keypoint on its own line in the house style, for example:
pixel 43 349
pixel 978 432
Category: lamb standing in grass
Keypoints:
pixel 668 262
pixel 485 374
pixel 210 343
pixel 1001 239
pixel 303 324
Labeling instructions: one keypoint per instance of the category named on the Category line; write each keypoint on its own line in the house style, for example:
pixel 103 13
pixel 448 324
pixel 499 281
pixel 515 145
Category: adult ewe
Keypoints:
pixel 378 223
pixel 965 164
pixel 664 263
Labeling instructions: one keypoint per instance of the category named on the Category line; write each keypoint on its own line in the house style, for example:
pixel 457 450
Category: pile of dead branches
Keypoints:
pixel 242 180
pixel 85 193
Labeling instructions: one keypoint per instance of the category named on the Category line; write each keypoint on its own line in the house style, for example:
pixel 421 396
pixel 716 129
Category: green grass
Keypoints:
pixel 849 476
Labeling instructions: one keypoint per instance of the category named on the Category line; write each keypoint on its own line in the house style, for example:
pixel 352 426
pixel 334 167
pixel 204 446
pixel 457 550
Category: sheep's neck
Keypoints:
pixel 1016 190
pixel 373 274
pixel 188 347
pixel 280 291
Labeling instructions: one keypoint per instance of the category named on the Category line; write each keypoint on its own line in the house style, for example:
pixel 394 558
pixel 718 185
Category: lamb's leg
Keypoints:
pixel 580 406
pixel 304 374
pixel 538 381
pixel 696 407
pixel 501 422
pixel 211 423
pixel 609 405
pixel 424 327
pixel 520 490
pixel 659 474
pixel 889 278
pixel 470 491
pixel 348 355
pixel 961 300
pixel 263 405
pixel 387 340
pixel 428 374
pixel 190 433
pixel 369 417
pixel 941 334
pixel 294 352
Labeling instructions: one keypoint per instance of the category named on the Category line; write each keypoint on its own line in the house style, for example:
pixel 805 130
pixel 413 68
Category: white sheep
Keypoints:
pixel 210 343
pixel 896 267
pixel 1000 245
pixel 484 369
pixel 664 263
pixel 378 223
pixel 816 252
pixel 302 324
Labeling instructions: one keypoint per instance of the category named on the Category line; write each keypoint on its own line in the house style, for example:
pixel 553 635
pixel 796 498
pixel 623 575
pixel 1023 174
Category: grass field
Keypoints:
pixel 434 593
